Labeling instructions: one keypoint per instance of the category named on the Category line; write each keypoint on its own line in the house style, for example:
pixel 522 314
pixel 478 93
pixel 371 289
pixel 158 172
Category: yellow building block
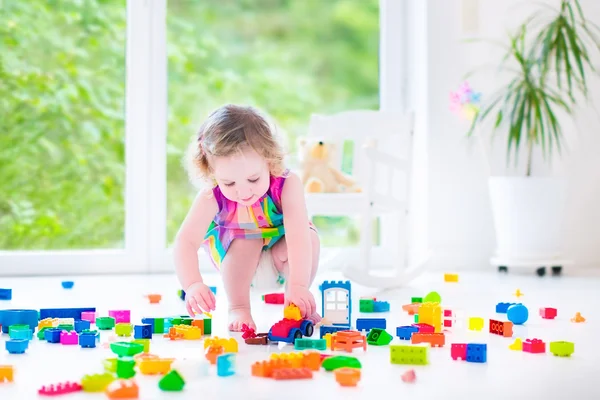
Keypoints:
pixel 292 312
pixel 48 323
pixel 475 323
pixel 189 332
pixel 327 338
pixel 450 277
pixel 295 358
pixel 431 314
pixel 229 345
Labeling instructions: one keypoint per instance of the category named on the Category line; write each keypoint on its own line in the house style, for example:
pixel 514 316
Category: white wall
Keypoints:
pixel 460 225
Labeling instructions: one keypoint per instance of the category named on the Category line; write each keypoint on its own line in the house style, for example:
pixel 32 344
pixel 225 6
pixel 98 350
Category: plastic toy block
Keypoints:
pixel 366 305
pixel 501 308
pixel 304 344
pixel 154 298
pixel 264 369
pixel 155 366
pixel 89 316
pixel 67 284
pixel 181 294
pixel 207 326
pixel 348 340
pixel 431 314
pixel 96 382
pixel 296 359
pixel 535 346
pixel 52 335
pixel 154 322
pixel 336 293
pixel 476 323
pixel 247 332
pixel 323 330
pixel 312 360
pixel 274 298
pixel 517 314
pixel 20 332
pixel 68 338
pixel 577 318
pixel 185 320
pixel 18 317
pixel 562 348
pixel 292 373
pixel 74 313
pixel 379 337
pixel 416 318
pixel 409 376
pixel 144 342
pixel 110 365
pixel 450 277
pixel 366 324
pixel 65 321
pixel 347 377
pixel 501 328
pixel 292 312
pixel 65 327
pixel 172 382
pixel 458 351
pixel 477 352
pixel 226 364
pixel 125 367
pixel 120 315
pixel 410 355
pixel 143 331
pixel 173 334
pixel 188 332
pixel 518 293
pixel 335 362
pixel 61 388
pixel 5 294
pixel 48 323
pixel 212 352
pixel 381 306
pixel 517 345
pixel 434 339
pixel 432 297
pixel 416 300
pixel 17 346
pixel 412 308
pixel 327 338
pixel 260 339
pixel 123 389
pixel 424 328
pixel 89 340
pixel 123 329
pixel 105 323
pixel 548 312
pixel 81 324
pixel 41 335
pixel 126 349
pixel 405 332
pixel 229 345
pixel 7 373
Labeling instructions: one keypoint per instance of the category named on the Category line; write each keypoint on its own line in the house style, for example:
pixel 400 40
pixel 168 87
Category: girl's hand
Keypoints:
pixel 199 298
pixel 302 298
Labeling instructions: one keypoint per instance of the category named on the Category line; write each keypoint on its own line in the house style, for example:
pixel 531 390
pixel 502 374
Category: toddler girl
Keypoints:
pixel 253 210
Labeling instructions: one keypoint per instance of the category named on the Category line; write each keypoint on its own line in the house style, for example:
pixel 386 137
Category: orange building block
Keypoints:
pixel 173 334
pixel 6 373
pixel 123 389
pixel 312 360
pixel 347 376
pixel 265 369
pixel 411 309
pixel 154 298
pixel 292 373
pixel 199 323
pixel 212 352
pixel 348 340
pixel 434 339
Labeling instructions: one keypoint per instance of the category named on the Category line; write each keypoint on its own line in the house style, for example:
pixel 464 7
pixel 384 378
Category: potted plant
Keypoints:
pixel 549 61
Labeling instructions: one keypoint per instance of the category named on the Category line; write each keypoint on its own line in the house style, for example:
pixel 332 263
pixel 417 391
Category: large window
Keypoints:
pixel 289 58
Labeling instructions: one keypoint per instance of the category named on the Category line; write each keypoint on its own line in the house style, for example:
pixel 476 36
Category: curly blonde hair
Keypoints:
pixel 226 131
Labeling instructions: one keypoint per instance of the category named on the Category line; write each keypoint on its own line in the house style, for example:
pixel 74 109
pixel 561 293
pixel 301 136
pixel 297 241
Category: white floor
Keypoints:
pixel 506 375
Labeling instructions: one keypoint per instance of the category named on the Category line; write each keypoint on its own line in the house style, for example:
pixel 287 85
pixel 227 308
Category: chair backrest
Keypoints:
pixel 352 130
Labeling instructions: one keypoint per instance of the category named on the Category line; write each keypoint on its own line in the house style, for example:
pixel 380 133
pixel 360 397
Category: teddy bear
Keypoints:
pixel 317 172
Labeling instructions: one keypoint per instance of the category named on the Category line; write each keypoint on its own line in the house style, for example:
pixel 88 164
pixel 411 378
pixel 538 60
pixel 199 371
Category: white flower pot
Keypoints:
pixel 528 217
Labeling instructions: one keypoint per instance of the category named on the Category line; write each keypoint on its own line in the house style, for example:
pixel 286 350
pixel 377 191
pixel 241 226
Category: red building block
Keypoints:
pixel 458 350
pixel 274 298
pixel 61 388
pixel 534 346
pixel 548 312
pixel 424 328
pixel 501 328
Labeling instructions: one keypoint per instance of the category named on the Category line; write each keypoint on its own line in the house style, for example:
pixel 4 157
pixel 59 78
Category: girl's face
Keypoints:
pixel 243 177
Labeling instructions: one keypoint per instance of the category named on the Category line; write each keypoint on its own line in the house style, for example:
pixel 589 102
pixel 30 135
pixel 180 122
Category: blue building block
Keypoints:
pixel 405 332
pixel 477 352
pixel 323 330
pixel 501 308
pixel 89 340
pixel 81 324
pixel 143 331
pixel 74 313
pixel 517 314
pixel 21 333
pixel 18 317
pixel 381 306
pixel 67 284
pixel 367 324
pixel 345 285
pixel 5 294
pixel 148 321
pixel 213 289
pixel 52 335
pixel 17 346
pixel 226 364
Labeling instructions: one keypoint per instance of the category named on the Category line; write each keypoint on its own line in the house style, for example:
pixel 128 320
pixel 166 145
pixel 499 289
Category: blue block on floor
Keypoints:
pixel 477 352
pixel 381 306
pixel 74 313
pixel 405 332
pixel 52 335
pixel 21 333
pixel 67 284
pixel 501 308
pixel 323 330
pixel 143 331
pixel 81 324
pixel 17 346
pixel 5 294
pixel 366 324
pixel 88 340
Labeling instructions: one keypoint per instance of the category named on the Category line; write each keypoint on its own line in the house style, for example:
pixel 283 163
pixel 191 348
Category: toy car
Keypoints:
pixel 288 330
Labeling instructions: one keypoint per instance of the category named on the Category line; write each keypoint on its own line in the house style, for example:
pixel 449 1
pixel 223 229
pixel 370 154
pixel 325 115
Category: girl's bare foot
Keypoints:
pixel 239 317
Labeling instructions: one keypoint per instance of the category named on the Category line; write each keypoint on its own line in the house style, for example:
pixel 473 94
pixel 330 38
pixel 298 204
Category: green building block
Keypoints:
pixel 433 297
pixel 405 354
pixel 159 325
pixel 416 300
pixel 143 342
pixel 172 382
pixel 367 305
pixel 123 329
pixel 185 320
pixel 96 382
pixel 305 343
pixel 175 321
pixel 335 362
pixel 207 326
pixel 110 365
pixel 66 327
pixel 105 323
pixel 416 318
pixel 378 337
pixel 125 367
pixel 17 327
pixel 41 335
pixel 126 349
pixel 562 349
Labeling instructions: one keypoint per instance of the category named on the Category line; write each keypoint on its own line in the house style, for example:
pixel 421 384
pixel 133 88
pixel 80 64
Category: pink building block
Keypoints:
pixel 120 315
pixel 458 350
pixel 548 312
pixel 89 316
pixel 69 337
pixel 424 328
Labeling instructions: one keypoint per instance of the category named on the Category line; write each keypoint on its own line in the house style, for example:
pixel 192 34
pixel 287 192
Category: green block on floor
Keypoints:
pixel 207 326
pixel 159 325
pixel 66 327
pixel 416 300
pixel 378 337
pixel 305 343
pixel 105 323
pixel 143 342
pixel 416 318
pixel 367 305
pixel 172 382
pixel 408 355
pixel 175 321
pixel 110 365
pixel 125 367
pixel 126 349
pixel 41 335
pixel 186 321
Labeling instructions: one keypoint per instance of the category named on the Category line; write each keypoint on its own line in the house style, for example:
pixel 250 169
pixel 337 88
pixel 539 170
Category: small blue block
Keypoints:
pixel 405 332
pixel 67 284
pixel 366 324
pixel 81 324
pixel 52 335
pixel 477 352
pixel 88 340
pixel 381 306
pixel 226 364
pixel 22 333
pixel 148 321
pixel 17 346
pixel 213 289
pixel 517 314
pixel 5 294
pixel 143 331
pixel 501 308
pixel 323 330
